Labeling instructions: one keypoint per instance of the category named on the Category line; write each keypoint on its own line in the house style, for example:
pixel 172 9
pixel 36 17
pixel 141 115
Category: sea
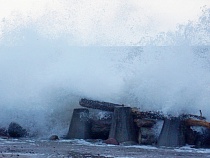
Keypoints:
pixel 43 78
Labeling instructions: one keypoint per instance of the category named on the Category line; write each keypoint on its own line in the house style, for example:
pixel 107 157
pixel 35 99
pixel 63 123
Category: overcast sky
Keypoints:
pixel 98 21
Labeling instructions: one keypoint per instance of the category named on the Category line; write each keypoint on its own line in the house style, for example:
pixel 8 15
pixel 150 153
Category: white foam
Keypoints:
pixel 189 149
pixel 43 77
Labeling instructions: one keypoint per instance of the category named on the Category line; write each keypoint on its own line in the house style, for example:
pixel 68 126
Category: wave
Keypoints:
pixel 42 79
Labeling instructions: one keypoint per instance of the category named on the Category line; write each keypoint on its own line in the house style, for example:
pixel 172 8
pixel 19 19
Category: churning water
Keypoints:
pixel 42 79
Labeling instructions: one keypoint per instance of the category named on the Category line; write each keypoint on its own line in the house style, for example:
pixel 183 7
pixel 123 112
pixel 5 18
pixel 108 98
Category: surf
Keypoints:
pixel 45 72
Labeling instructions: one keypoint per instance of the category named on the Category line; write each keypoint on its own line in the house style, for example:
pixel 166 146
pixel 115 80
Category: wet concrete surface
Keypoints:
pixel 25 148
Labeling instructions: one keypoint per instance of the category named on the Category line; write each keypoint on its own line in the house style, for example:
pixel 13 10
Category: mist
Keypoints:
pixel 46 69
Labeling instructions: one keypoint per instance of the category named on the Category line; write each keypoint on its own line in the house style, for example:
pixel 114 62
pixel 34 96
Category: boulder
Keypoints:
pixel 100 128
pixel 54 137
pixel 190 136
pixel 3 132
pixel 146 136
pixel 202 138
pixel 16 131
pixel 111 141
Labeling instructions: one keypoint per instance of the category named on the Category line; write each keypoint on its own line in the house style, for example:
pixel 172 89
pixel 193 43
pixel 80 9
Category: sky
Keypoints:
pixel 92 22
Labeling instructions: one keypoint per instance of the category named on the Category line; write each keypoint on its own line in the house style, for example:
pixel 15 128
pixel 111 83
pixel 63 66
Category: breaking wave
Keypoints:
pixel 43 79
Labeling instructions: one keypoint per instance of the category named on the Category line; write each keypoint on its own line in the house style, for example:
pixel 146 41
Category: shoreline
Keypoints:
pixel 77 148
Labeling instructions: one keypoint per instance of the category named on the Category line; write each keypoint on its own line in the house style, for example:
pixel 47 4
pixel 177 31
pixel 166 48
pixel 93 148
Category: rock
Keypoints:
pixel 190 136
pixel 146 136
pixel 111 141
pixel 100 128
pixel 16 131
pixel 144 122
pixel 3 132
pixel 202 138
pixel 54 137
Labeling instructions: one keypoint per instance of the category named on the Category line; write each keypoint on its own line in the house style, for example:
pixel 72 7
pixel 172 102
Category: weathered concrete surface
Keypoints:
pixel 83 149
pixel 172 133
pixel 80 125
pixel 122 127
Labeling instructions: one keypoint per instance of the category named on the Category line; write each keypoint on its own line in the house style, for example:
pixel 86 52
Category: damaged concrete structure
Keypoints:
pixel 128 126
